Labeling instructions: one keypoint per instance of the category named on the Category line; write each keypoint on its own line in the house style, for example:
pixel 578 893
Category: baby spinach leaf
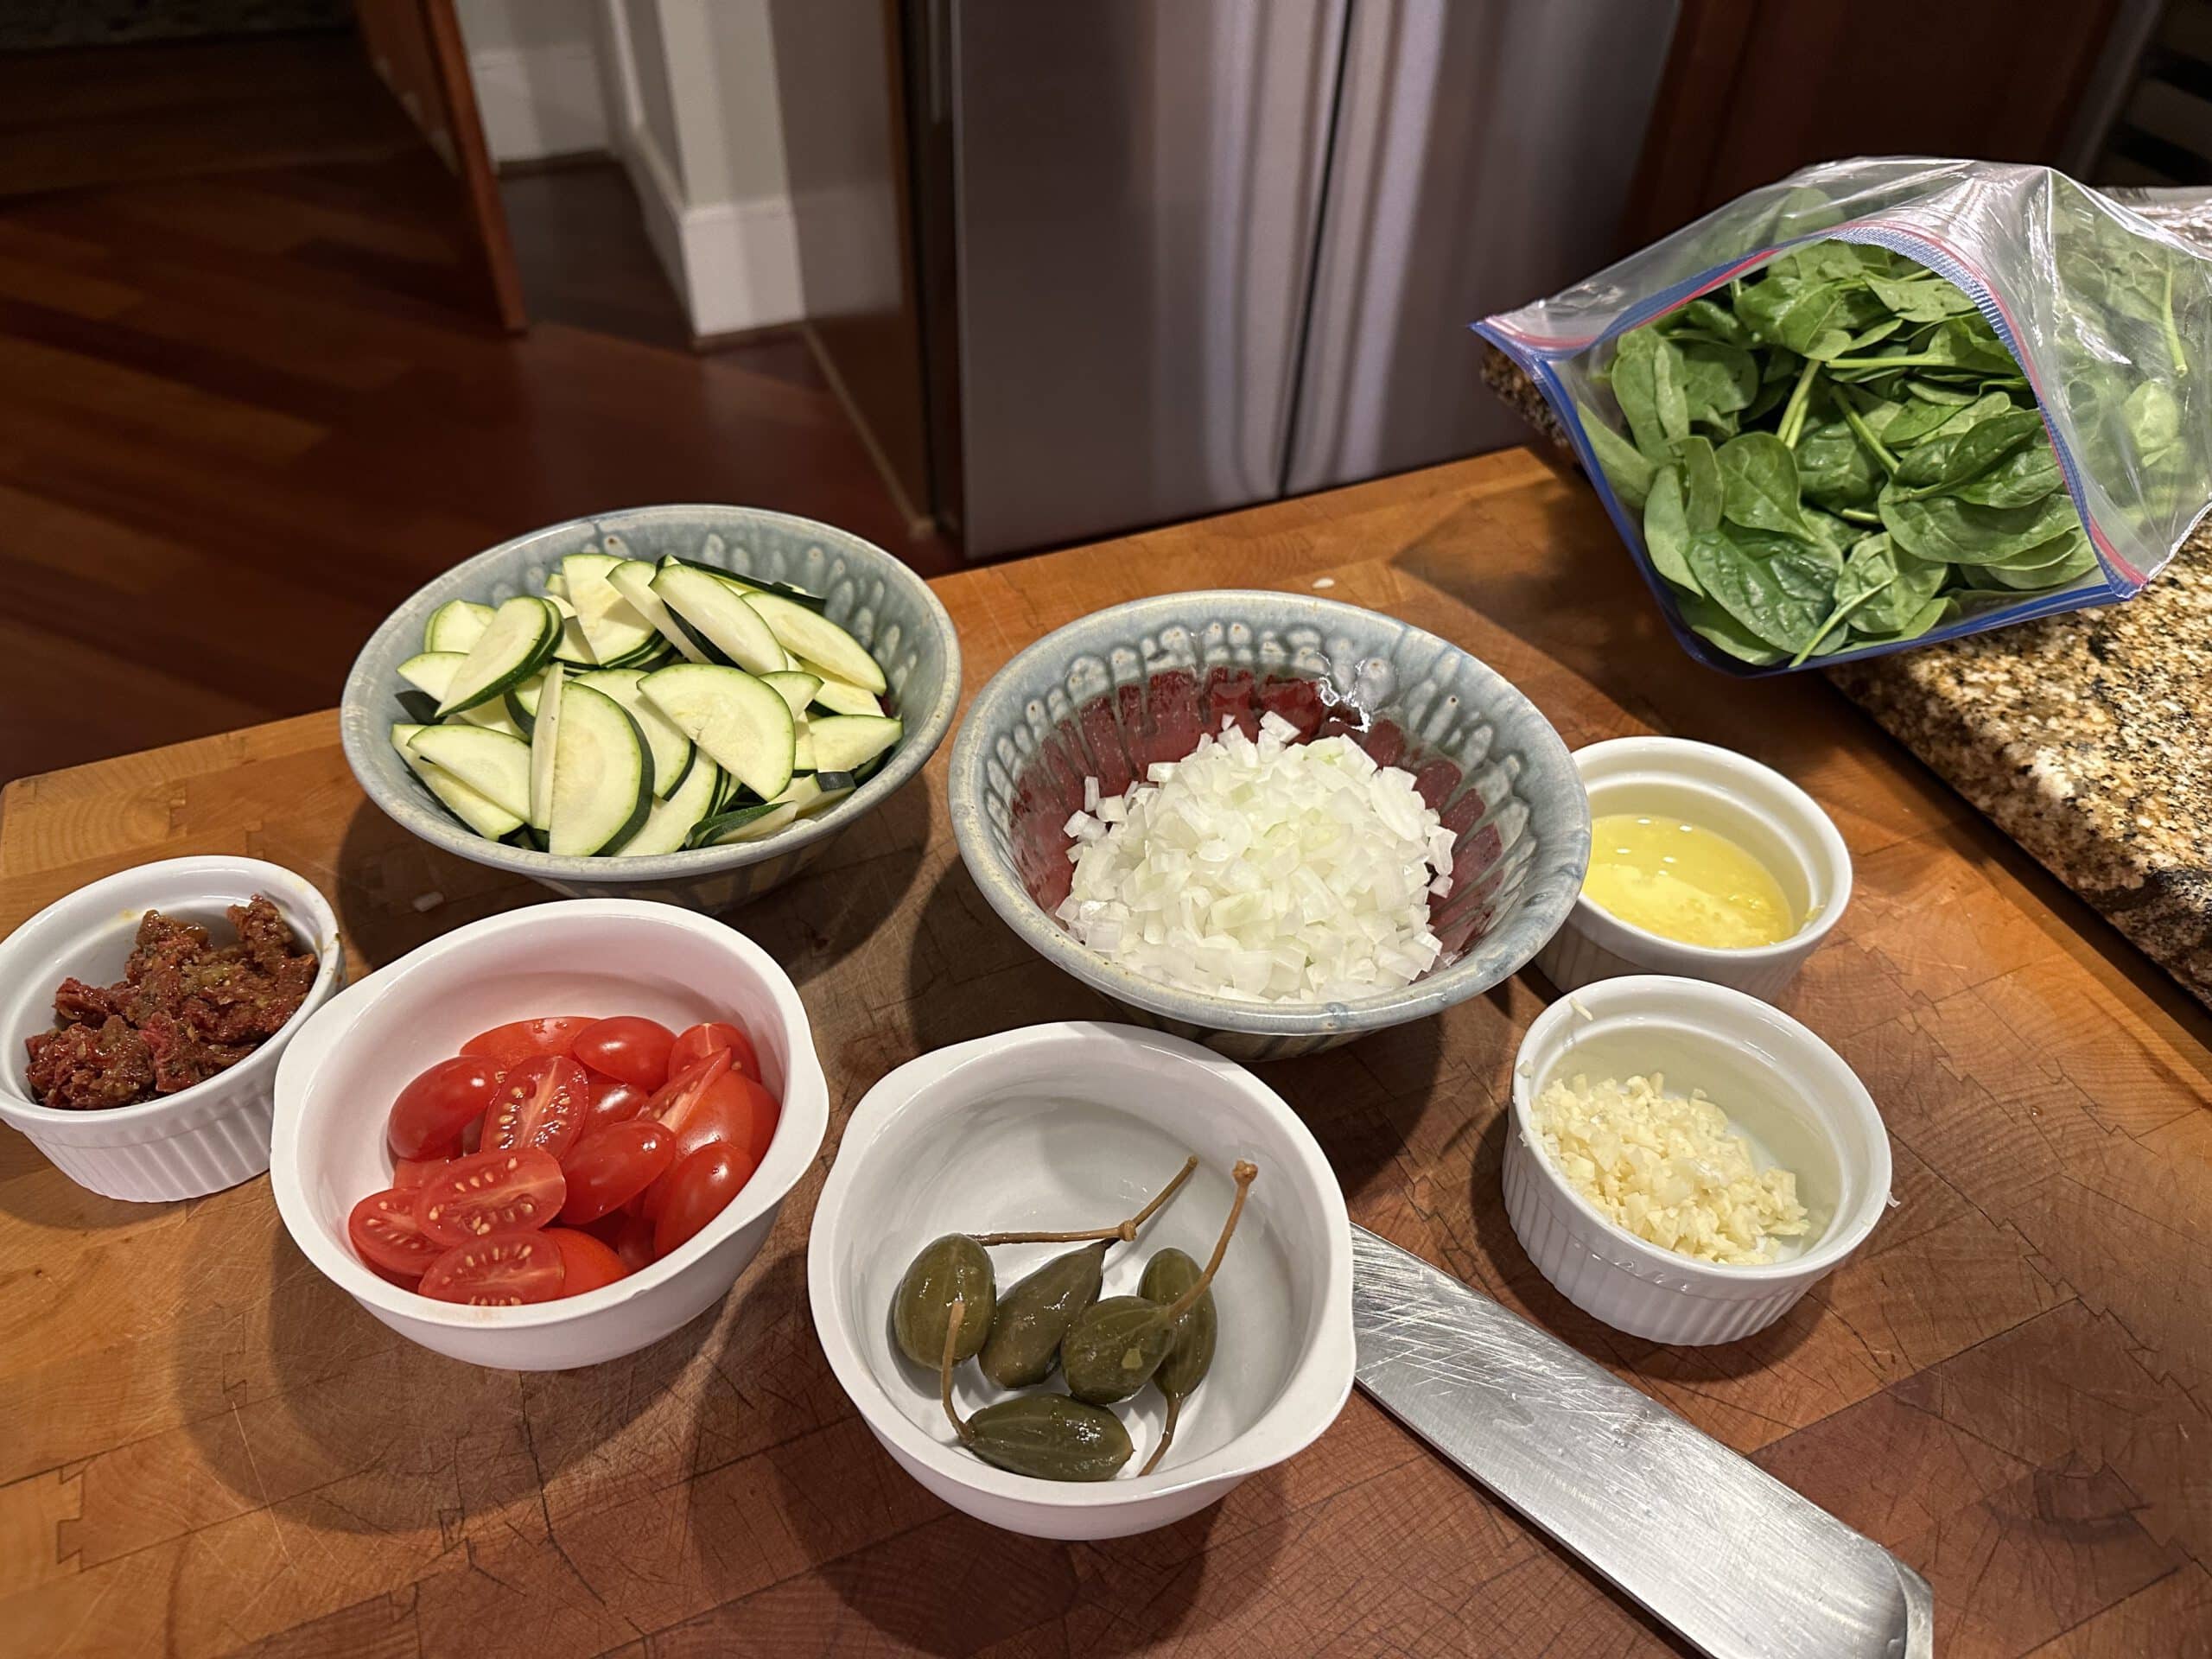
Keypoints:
pixel 1832 469
pixel 1702 491
pixel 1946 463
pixel 2153 417
pixel 1636 389
pixel 1914 583
pixel 1759 482
pixel 1667 531
pixel 1930 614
pixel 1624 465
pixel 1944 527
pixel 1716 379
pixel 2022 479
pixel 1924 299
pixel 2072 557
pixel 1778 592
pixel 1713 321
pixel 1714 625
pixel 1668 405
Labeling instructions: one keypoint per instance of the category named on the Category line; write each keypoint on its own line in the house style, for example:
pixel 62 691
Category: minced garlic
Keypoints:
pixel 1668 1170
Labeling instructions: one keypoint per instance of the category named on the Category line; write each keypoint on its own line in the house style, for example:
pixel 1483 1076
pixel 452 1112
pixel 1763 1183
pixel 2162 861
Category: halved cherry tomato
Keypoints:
pixel 524 1040
pixel 628 1046
pixel 673 1102
pixel 410 1173
pixel 432 1110
pixel 387 1235
pixel 504 1271
pixel 511 1191
pixel 605 1170
pixel 543 1103
pixel 586 1262
pixel 613 1101
pixel 472 1139
pixel 699 1187
pixel 702 1040
pixel 731 1109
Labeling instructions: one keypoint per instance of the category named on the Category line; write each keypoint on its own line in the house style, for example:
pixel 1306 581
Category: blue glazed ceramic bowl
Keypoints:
pixel 879 600
pixel 1107 695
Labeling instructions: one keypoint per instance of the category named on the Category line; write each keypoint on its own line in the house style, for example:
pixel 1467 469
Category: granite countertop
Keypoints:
pixel 2084 737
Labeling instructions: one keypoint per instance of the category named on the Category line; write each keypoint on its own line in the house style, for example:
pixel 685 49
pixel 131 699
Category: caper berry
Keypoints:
pixel 1033 1315
pixel 1047 1436
pixel 1189 1354
pixel 948 1272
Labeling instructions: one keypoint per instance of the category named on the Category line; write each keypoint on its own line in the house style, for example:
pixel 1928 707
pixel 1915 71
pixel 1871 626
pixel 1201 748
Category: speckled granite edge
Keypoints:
pixel 2087 737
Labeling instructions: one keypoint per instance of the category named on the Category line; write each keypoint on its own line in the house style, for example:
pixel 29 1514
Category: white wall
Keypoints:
pixel 535 64
pixel 694 116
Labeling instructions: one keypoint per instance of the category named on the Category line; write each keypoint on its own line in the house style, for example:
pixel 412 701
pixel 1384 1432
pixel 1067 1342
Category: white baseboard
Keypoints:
pixel 540 100
pixel 734 263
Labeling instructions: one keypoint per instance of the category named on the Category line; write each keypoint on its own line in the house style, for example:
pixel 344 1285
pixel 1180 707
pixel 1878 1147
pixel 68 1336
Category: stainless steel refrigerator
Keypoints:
pixel 1180 256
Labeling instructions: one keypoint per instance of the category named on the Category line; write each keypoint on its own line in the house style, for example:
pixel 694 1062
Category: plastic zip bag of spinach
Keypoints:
pixel 1888 401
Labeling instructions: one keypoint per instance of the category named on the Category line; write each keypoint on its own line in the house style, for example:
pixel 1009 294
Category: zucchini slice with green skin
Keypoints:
pixel 485 817
pixel 839 696
pixel 745 824
pixel 797 689
pixel 746 584
pixel 847 743
pixel 544 734
pixel 725 619
pixel 492 763
pixel 515 645
pixel 521 702
pixel 802 746
pixel 611 626
pixel 572 647
pixel 744 725
pixel 431 673
pixel 633 580
pixel 668 826
pixel 603 775
pixel 670 749
pixel 806 633
pixel 457 625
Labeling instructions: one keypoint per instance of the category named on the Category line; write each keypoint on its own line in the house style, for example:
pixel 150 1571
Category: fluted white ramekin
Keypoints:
pixel 1782 1086
pixel 199 1140
pixel 1756 807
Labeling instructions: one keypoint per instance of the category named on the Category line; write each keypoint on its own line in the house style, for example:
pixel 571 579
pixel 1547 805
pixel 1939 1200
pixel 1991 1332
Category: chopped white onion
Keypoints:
pixel 1266 869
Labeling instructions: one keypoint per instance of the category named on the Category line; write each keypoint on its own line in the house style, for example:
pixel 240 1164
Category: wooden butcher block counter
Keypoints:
pixel 208 1448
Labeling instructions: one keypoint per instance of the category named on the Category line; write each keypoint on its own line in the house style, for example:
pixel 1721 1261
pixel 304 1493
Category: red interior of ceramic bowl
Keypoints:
pixel 1113 739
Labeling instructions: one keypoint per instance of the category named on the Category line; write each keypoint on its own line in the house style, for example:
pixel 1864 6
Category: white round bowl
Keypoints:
pixel 1066 1126
pixel 198 1140
pixel 592 956
pixel 1756 807
pixel 1786 1090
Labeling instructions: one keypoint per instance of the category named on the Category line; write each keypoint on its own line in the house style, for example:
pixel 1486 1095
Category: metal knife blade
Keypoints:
pixel 1713 1546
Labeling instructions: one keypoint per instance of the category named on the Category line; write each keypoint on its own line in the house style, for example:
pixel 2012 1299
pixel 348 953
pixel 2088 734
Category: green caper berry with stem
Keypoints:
pixel 945 1274
pixel 1190 1353
pixel 1047 1436
pixel 1115 1346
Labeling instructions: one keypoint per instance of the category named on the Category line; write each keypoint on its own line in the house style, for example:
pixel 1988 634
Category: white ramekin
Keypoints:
pixel 1785 1087
pixel 1754 806
pixel 199 1140
pixel 1070 1125
pixel 337 1082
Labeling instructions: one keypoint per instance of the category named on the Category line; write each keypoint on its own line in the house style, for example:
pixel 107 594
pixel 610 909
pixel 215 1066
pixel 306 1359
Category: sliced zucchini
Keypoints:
pixel 670 748
pixel 633 580
pixel 847 743
pixel 724 619
pixel 544 734
pixel 839 696
pixel 521 702
pixel 485 817
pixel 802 746
pixel 744 725
pixel 611 626
pixel 431 672
pixel 492 763
pixel 668 826
pixel 514 646
pixel 815 638
pixel 744 823
pixel 557 586
pixel 602 773
pixel 716 550
pixel 457 625
pixel 572 647
pixel 796 689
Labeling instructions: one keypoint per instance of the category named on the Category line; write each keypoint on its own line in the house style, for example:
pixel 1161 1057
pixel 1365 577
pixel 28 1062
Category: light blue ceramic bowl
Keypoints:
pixel 879 600
pixel 1071 704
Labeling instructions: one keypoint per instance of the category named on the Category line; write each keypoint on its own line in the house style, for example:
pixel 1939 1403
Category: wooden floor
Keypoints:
pixel 245 412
